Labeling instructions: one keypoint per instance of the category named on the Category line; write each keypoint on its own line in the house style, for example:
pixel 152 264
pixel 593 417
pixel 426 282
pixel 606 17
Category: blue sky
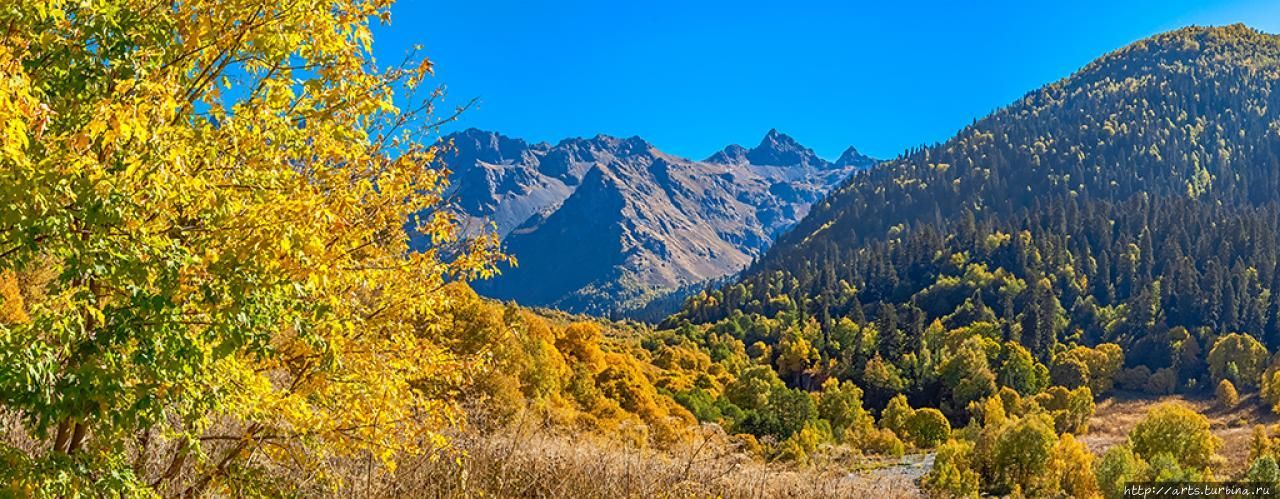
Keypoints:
pixel 693 76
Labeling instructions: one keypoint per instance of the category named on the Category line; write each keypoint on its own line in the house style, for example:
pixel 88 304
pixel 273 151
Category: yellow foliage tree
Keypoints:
pixel 221 188
pixel 1239 358
pixel 581 343
pixel 1073 464
pixel 1178 431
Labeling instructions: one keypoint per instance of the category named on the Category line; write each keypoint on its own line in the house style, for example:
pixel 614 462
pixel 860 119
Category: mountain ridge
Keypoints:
pixel 659 223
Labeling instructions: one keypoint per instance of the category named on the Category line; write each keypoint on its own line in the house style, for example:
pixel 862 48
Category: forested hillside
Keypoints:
pixel 1119 228
pixel 1135 202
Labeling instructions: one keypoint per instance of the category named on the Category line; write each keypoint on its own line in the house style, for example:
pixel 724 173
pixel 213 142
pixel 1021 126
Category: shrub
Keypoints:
pixel 1134 379
pixel 1226 394
pixel 1162 382
pixel 883 442
pixel 927 428
pixel 1177 431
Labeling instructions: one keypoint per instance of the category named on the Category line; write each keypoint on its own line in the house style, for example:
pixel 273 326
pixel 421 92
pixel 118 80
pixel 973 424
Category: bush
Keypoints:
pixel 927 428
pixel 883 442
pixel 1163 382
pixel 1177 431
pixel 1134 379
pixel 1226 394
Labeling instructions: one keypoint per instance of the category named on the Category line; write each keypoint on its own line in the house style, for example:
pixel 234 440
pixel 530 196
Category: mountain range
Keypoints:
pixel 615 226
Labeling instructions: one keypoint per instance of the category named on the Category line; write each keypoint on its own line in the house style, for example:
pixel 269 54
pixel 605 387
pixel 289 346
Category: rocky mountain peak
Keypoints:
pixel 779 149
pixel 733 154
pixel 851 157
pixel 473 144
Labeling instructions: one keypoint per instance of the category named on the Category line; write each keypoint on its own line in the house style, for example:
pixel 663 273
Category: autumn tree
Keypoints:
pixel 1020 370
pixel 1117 467
pixel 1022 457
pixel 1239 358
pixel 1070 409
pixel 896 415
pixel 1096 367
pixel 1073 465
pixel 952 474
pixel 794 355
pixel 927 427
pixel 968 374
pixel 840 404
pixel 1177 431
pixel 221 191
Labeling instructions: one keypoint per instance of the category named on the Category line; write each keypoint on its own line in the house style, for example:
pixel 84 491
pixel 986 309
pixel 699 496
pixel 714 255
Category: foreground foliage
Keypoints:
pixel 206 273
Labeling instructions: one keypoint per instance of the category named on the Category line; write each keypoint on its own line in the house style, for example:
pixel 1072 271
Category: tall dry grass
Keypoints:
pixel 537 462
pixel 533 459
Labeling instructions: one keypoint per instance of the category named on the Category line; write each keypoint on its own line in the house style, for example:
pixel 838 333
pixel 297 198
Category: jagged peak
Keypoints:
pixel 731 154
pixel 776 140
pixel 617 145
pixel 779 149
pixel 484 145
pixel 851 157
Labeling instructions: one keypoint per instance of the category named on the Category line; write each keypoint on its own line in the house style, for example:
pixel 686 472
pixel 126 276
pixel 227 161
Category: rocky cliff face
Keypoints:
pixel 607 225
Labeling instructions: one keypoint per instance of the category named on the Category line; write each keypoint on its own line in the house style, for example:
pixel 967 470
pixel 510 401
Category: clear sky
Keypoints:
pixel 692 76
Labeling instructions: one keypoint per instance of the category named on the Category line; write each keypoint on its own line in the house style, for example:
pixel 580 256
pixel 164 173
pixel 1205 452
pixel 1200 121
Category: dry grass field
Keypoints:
pixel 540 463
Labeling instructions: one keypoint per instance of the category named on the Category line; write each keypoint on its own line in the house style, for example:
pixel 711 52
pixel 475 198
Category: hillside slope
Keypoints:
pixel 1135 202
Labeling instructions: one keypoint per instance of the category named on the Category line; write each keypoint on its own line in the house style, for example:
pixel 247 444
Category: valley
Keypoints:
pixel 240 256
